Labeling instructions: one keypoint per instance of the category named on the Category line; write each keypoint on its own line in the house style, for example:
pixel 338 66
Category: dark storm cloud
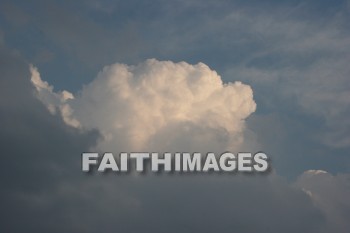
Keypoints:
pixel 192 204
pixel 38 150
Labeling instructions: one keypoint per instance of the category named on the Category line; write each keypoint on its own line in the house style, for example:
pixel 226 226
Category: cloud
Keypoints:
pixel 156 105
pixel 52 100
pixel 39 149
pixel 289 56
pixel 305 63
pixel 43 189
pixel 330 193
pixel 177 204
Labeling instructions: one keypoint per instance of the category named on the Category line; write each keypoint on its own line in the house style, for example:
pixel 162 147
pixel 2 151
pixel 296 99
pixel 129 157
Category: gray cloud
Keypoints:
pixel 38 149
pixel 330 193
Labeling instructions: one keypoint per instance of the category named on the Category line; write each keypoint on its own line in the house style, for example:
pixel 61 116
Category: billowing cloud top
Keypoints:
pixel 139 107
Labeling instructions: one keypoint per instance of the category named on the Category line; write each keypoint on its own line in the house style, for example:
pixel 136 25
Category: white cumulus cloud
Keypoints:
pixel 156 105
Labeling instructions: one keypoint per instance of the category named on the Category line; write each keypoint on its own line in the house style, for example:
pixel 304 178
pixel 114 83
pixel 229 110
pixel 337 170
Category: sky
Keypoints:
pixel 204 76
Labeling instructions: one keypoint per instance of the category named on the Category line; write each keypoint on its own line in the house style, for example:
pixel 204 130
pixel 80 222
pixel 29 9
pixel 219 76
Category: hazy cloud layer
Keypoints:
pixel 303 62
